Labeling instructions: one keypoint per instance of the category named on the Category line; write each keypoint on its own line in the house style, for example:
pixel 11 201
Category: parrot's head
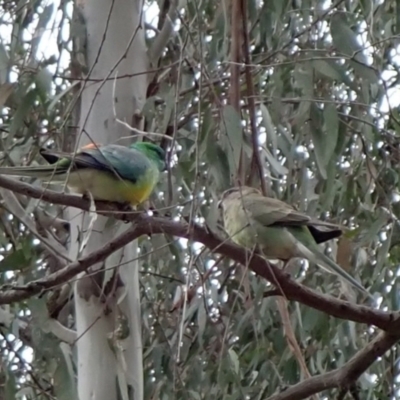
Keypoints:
pixel 152 151
pixel 236 193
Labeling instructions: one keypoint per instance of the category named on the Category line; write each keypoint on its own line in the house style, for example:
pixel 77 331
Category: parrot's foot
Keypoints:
pixel 86 196
pixel 125 219
pixel 124 206
pixel 127 210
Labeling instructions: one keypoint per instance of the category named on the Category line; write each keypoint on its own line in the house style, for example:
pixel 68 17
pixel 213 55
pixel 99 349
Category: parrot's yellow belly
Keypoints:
pixel 106 187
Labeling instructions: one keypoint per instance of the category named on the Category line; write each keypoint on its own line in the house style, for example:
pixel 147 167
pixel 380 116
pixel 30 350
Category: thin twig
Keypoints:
pixel 234 91
pixel 256 163
pixel 291 337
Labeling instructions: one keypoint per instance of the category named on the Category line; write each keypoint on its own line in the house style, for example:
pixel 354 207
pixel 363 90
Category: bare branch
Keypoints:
pixel 256 163
pixel 234 91
pixel 68 272
pixel 12 204
pixel 290 336
pixel 344 376
pixel 47 221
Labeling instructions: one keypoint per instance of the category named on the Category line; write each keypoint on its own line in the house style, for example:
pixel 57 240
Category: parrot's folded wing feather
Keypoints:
pixel 326 225
pixel 128 163
pixel 79 159
pixel 268 211
pixel 124 162
pixel 53 156
pixel 91 159
pixel 322 234
pixel 273 212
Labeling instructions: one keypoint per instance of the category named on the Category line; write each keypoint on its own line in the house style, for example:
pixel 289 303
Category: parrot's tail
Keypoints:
pixel 45 172
pixel 329 265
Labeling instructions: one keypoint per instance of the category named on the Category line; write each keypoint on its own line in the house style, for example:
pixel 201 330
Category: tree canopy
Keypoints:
pixel 299 98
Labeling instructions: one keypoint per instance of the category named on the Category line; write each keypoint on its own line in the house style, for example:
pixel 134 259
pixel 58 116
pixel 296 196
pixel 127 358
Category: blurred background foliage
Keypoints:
pixel 326 94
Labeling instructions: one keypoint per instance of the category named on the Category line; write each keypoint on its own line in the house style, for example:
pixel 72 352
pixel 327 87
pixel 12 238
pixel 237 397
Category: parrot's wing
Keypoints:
pixel 127 163
pixel 322 234
pixel 53 156
pixel 268 211
pixel 78 160
pixel 325 226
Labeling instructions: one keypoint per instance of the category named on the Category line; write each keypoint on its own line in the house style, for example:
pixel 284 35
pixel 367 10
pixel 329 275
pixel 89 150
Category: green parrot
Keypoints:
pixel 111 173
pixel 278 229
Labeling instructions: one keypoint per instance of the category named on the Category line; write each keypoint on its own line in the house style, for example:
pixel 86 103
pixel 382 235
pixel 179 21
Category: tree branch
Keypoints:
pixel 12 205
pixel 144 224
pixel 68 272
pixel 234 89
pixel 344 376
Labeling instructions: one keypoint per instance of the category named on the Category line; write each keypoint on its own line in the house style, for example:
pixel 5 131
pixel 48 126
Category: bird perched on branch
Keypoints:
pixel 278 230
pixel 111 173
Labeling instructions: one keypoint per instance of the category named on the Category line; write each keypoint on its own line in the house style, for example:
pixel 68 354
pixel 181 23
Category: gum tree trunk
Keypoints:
pixel 107 364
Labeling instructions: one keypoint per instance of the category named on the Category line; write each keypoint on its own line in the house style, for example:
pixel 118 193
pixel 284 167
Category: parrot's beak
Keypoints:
pixel 219 204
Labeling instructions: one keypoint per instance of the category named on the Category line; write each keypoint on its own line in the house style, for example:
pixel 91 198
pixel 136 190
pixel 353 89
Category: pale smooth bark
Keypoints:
pixel 111 25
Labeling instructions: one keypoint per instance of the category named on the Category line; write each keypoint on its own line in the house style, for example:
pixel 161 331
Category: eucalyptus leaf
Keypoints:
pixel 61 94
pixel 10 387
pixel 6 90
pixel 201 321
pixel 269 127
pixel 235 360
pixel 4 64
pixel 44 80
pixel 231 125
pixel 21 114
pixel 64 380
pixel 345 39
pixel 17 260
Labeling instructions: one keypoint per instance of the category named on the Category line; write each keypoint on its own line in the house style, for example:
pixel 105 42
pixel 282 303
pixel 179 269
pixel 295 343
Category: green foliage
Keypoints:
pixel 326 98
